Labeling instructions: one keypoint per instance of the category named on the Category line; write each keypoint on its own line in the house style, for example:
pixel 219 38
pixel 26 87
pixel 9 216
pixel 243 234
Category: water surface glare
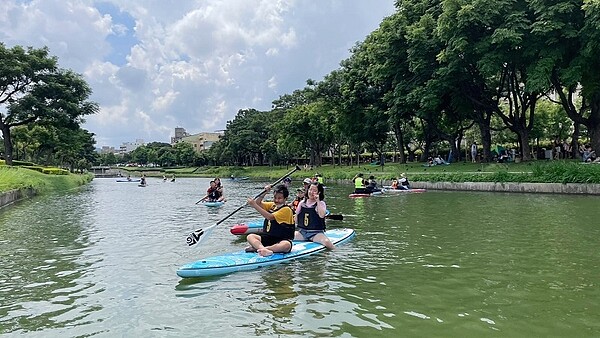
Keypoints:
pixel 101 261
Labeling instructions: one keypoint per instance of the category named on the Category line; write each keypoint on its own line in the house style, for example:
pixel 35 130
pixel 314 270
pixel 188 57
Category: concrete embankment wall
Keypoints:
pixel 12 196
pixel 547 188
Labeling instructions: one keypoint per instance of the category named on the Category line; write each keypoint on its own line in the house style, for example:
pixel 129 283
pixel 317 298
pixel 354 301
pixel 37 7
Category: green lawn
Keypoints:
pixel 16 178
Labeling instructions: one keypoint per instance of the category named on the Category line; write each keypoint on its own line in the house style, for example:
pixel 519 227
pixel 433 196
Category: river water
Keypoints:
pixel 101 260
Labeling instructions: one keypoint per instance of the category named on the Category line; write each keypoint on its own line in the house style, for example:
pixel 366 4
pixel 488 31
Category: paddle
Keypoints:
pixel 335 217
pixel 202 199
pixel 198 235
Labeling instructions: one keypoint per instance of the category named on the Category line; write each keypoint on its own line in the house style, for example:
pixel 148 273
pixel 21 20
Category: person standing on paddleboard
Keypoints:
pixel 310 217
pixel 278 227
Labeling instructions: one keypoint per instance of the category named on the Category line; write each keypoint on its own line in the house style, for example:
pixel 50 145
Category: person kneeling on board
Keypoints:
pixel 278 227
pixel 310 217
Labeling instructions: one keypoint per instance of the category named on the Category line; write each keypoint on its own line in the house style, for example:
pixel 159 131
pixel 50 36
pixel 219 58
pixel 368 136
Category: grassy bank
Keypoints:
pixel 16 178
pixel 534 172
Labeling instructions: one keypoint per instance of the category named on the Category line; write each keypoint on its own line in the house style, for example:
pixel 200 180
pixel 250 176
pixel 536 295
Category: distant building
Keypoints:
pixel 202 141
pixel 179 134
pixel 107 150
pixel 128 147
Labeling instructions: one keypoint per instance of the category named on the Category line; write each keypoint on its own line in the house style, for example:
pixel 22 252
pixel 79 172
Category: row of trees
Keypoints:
pixel 42 108
pixel 437 72
pixel 158 153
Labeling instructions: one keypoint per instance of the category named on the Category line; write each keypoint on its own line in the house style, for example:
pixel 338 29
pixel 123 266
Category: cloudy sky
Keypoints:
pixel 157 64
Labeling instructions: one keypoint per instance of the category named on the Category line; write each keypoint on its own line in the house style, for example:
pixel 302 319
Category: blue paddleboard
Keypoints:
pixel 213 204
pixel 241 260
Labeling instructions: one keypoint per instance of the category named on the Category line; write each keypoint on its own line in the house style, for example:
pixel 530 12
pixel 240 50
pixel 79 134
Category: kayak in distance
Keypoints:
pixel 242 261
pixel 132 180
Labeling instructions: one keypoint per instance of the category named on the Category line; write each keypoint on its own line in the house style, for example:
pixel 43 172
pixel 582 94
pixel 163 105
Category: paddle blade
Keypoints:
pixel 198 235
pixel 335 217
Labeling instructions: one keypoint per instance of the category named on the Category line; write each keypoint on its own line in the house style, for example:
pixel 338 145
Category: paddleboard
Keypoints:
pixel 242 261
pixel 132 180
pixel 249 227
pixel 386 190
pixel 142 185
pixel 353 195
pixel 213 204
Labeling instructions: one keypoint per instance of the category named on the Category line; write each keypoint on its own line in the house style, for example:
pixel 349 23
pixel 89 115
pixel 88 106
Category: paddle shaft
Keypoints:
pixel 202 199
pixel 193 238
pixel 335 217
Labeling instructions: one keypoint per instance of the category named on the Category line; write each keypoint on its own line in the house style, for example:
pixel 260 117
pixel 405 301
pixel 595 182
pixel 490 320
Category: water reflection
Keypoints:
pixel 102 261
pixel 42 271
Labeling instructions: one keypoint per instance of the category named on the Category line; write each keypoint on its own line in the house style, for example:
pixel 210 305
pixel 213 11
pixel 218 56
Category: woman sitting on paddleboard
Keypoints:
pixel 213 193
pixel 278 228
pixel 404 183
pixel 310 217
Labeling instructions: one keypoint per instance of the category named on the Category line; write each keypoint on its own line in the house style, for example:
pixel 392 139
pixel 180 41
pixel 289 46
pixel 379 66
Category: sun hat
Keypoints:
pixel 307 181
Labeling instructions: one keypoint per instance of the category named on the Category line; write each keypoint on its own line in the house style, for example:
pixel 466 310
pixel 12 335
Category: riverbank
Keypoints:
pixel 553 177
pixel 19 183
pixel 530 172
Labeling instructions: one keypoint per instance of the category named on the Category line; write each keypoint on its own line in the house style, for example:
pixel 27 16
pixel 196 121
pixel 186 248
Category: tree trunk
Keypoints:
pixel 399 142
pixel 593 122
pixel 575 141
pixel 523 134
pixel 486 141
pixel 8 148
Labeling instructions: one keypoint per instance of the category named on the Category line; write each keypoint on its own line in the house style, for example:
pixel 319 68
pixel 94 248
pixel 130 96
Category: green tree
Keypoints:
pixel 184 153
pixel 33 89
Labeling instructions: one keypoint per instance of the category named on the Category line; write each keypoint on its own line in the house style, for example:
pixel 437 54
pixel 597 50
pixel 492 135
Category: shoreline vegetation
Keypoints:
pixel 567 171
pixel 17 183
pixel 571 177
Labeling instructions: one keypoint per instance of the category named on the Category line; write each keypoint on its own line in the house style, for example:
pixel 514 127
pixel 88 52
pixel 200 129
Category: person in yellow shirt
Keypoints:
pixel 278 227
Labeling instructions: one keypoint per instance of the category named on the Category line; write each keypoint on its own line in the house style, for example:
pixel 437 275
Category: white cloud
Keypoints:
pixel 272 83
pixel 190 63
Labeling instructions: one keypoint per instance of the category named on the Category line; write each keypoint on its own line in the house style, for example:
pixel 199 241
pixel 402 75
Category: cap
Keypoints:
pixel 300 189
pixel 307 181
pixel 287 179
pixel 403 175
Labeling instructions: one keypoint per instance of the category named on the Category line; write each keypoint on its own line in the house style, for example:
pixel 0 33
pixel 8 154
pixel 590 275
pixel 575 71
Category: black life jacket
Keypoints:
pixel 308 218
pixel 213 194
pixel 279 230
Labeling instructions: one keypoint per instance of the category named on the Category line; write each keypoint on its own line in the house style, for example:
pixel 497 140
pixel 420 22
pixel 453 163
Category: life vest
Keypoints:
pixel 294 205
pixel 404 181
pixel 359 182
pixel 279 230
pixel 308 218
pixel 321 180
pixel 213 193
